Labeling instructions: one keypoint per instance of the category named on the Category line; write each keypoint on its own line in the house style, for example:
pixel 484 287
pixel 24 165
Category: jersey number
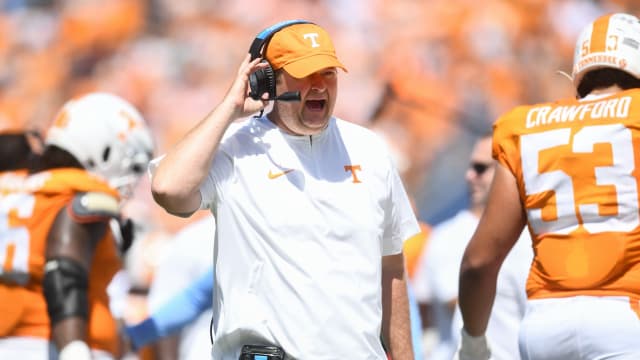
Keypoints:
pixel 618 174
pixel 14 240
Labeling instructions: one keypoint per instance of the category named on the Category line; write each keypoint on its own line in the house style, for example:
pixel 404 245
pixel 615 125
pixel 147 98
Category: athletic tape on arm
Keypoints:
pixel 94 206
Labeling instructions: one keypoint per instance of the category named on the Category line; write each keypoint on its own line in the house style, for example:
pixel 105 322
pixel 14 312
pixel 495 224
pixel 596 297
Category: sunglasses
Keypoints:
pixel 479 168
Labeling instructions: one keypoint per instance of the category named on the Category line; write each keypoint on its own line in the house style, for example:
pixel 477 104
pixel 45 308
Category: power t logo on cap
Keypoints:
pixel 301 50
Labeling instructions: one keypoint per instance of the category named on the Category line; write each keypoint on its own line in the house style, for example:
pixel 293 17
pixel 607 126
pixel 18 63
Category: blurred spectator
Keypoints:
pixel 440 268
pixel 509 305
pixel 442 256
pixel 188 256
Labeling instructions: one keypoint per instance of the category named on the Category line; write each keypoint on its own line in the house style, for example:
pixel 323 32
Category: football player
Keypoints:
pixel 57 247
pixel 569 170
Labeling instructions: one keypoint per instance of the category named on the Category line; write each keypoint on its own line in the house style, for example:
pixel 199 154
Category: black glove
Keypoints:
pixel 127 228
pixel 123 231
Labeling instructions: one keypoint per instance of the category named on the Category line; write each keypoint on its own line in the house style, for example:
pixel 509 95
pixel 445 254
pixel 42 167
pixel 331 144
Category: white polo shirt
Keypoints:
pixel 302 225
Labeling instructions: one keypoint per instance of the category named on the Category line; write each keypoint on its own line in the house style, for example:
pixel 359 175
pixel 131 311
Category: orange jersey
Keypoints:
pixel 577 166
pixel 28 208
pixel 414 247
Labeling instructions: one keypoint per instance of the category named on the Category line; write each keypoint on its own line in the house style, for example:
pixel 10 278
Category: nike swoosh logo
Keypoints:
pixel 273 175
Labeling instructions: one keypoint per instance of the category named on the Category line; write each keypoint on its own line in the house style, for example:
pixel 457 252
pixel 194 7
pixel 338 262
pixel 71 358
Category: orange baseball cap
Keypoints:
pixel 302 49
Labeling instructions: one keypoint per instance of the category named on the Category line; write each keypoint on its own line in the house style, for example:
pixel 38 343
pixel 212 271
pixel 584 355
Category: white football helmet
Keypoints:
pixel 611 41
pixel 107 135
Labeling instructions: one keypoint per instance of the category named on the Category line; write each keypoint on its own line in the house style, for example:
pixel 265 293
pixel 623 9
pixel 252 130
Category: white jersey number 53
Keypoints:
pixel 618 174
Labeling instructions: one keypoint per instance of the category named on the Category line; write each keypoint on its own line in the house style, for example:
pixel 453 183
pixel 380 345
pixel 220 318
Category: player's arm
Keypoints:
pixel 70 246
pixel 500 226
pixel 396 326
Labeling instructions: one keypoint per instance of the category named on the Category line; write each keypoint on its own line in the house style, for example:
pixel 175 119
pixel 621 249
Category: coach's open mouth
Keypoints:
pixel 315 105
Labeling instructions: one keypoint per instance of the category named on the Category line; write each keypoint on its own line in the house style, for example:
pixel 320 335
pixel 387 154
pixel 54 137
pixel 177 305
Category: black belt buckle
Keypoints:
pixel 261 352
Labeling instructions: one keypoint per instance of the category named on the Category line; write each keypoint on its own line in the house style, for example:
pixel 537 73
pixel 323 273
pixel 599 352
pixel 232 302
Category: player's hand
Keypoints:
pixel 473 348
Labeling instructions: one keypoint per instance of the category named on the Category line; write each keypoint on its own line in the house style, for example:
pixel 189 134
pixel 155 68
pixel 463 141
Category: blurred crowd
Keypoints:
pixel 430 76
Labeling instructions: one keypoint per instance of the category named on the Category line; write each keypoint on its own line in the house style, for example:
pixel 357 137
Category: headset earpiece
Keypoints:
pixel 264 80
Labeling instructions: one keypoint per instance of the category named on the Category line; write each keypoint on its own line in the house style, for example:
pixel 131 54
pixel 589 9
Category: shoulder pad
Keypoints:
pixel 94 206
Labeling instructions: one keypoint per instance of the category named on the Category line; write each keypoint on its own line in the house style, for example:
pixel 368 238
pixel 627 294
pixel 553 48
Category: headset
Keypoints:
pixel 264 80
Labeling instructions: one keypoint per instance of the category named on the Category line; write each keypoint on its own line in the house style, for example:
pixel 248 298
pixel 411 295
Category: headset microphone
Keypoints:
pixel 288 96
